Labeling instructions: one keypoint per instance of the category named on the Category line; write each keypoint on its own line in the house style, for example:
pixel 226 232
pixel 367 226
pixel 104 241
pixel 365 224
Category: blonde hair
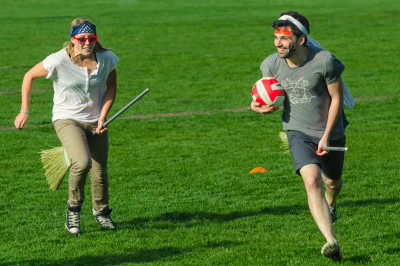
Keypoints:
pixel 98 48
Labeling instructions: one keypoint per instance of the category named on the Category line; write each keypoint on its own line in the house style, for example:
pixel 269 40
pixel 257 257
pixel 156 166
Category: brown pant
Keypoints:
pixel 86 156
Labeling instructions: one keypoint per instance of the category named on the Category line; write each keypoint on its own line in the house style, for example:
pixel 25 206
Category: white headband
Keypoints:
pixel 295 22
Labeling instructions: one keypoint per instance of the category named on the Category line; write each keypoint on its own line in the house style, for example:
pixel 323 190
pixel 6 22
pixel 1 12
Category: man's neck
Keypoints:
pixel 298 58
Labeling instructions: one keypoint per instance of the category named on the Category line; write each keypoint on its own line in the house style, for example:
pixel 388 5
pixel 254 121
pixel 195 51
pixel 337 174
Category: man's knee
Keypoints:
pixel 333 184
pixel 311 175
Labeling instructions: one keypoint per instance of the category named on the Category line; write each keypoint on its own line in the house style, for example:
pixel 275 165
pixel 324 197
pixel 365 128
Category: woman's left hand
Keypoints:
pixel 100 129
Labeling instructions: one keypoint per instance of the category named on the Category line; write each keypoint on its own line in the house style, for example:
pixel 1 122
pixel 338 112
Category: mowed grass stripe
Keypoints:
pixel 203 112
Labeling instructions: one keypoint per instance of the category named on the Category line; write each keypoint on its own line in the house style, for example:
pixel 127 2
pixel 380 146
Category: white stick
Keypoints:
pixel 335 148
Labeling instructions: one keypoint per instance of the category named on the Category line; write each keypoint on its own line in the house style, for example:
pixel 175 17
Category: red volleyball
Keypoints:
pixel 268 92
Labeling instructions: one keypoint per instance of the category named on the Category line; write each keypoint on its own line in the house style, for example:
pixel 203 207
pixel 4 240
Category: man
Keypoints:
pixel 312 116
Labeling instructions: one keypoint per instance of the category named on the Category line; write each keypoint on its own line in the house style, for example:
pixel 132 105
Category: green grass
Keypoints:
pixel 180 186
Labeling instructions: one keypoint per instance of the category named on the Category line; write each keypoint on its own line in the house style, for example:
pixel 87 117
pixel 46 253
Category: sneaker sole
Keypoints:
pixel 332 251
pixel 71 232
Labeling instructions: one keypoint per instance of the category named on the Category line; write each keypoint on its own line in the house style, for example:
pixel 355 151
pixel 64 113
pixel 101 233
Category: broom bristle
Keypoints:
pixel 285 143
pixel 55 166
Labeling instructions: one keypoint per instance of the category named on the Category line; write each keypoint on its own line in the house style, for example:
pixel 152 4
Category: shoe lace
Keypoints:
pixel 105 221
pixel 73 219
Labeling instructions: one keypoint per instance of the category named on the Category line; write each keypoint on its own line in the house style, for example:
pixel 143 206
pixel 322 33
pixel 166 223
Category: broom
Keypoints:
pixel 285 143
pixel 56 161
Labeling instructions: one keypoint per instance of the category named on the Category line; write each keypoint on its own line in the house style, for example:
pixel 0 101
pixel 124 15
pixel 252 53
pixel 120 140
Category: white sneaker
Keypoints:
pixel 103 218
pixel 333 212
pixel 334 215
pixel 332 250
pixel 72 221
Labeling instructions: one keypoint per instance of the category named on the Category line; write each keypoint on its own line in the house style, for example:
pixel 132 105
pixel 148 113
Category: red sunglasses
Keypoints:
pixel 82 40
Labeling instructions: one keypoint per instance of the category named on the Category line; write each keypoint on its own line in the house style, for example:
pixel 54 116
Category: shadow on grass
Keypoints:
pixel 367 202
pixel 368 258
pixel 359 259
pixel 141 256
pixel 170 219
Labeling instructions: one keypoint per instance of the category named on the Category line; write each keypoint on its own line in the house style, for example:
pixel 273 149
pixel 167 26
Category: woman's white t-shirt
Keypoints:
pixel 78 95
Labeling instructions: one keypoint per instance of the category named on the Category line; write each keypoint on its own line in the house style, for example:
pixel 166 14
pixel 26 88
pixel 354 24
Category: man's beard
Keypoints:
pixel 291 52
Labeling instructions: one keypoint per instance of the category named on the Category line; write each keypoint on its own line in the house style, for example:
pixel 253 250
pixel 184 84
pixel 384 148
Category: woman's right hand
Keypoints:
pixel 35 72
pixel 20 120
pixel 256 107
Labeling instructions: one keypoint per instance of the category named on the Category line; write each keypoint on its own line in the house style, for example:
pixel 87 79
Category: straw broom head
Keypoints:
pixel 285 143
pixel 56 163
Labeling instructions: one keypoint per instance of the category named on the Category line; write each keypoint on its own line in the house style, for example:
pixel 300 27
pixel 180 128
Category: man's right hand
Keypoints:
pixel 256 107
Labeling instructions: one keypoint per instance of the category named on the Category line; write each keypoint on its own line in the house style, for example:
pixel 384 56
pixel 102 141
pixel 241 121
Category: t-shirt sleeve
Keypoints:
pixel 267 67
pixel 333 69
pixel 51 62
pixel 113 60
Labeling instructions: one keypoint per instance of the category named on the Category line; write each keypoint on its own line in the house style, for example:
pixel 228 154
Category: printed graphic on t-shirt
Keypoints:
pixel 297 90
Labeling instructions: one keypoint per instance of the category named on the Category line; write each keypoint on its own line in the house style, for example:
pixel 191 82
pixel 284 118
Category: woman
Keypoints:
pixel 85 85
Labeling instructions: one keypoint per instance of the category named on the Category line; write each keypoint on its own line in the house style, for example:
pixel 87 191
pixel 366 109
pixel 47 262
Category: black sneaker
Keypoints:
pixel 72 222
pixel 103 218
pixel 332 251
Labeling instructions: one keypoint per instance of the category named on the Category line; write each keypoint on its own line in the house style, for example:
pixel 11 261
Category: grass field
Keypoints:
pixel 179 159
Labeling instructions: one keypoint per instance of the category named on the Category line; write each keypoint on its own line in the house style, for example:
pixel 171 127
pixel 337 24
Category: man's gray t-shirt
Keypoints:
pixel 307 100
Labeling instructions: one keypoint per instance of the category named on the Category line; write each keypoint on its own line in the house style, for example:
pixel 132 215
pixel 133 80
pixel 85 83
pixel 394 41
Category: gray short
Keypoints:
pixel 303 149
